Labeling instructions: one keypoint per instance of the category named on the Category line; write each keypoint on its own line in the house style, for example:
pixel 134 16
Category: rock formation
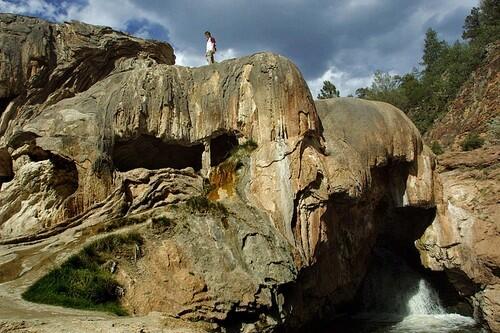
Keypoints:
pixel 254 212
pixel 463 240
pixel 374 173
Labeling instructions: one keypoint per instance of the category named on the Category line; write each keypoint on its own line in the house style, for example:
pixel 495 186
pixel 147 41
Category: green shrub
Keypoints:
pixel 81 282
pixel 436 148
pixel 162 224
pixel 120 222
pixel 472 141
pixel 249 145
pixel 204 205
pixel 494 127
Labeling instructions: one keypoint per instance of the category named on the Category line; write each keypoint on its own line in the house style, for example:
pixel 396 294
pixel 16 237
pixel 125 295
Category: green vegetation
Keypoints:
pixel 120 222
pixel 472 141
pixel 494 127
pixel 328 91
pixel 238 153
pixel 81 282
pixel 162 224
pixel 204 205
pixel 436 148
pixel 426 94
pixel 249 145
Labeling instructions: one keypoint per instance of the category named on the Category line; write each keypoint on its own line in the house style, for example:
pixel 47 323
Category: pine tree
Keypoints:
pixel 328 91
pixel 433 49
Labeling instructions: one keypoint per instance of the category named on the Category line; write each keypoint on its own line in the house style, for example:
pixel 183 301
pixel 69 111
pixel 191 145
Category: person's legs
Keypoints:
pixel 210 57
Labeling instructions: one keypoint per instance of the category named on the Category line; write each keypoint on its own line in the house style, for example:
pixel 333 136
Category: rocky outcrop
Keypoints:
pixel 44 62
pixel 463 240
pixel 79 162
pixel 247 239
pixel 475 109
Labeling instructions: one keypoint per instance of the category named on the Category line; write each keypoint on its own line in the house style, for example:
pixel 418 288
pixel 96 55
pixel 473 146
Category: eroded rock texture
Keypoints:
pixel 375 174
pixel 118 138
pixel 464 238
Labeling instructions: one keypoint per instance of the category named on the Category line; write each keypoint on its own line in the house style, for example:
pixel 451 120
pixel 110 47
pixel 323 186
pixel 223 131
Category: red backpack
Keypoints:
pixel 213 41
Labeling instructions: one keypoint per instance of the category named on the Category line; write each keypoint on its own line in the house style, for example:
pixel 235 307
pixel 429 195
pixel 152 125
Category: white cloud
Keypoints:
pixel 345 83
pixel 190 58
pixel 33 7
pixel 382 40
pixel 109 13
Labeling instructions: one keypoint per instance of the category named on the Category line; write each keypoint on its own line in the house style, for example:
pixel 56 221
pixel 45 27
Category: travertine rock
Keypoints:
pixel 121 138
pixel 44 62
pixel 375 166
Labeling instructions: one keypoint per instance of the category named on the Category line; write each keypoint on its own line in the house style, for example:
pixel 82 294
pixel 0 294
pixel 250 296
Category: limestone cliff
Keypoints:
pixel 254 212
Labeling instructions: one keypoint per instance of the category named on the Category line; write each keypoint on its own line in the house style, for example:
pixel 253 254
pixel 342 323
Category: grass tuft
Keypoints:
pixel 472 141
pixel 436 148
pixel 81 282
pixel 120 222
pixel 204 205
pixel 242 150
pixel 162 224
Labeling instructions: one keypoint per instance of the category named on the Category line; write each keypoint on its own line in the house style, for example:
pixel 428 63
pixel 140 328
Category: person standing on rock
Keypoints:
pixel 211 48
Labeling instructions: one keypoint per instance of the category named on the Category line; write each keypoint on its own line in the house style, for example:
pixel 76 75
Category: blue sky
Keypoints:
pixel 342 41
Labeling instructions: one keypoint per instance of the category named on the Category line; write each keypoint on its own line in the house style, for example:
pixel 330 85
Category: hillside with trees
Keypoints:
pixel 426 93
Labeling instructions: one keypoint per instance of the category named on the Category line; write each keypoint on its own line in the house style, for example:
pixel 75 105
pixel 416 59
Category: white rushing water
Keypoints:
pixel 425 301
pixel 397 299
pixel 426 314
pixel 435 323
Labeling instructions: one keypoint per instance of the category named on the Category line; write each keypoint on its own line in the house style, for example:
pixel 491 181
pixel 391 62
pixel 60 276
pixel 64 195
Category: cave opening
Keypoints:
pixel 221 147
pixel 4 102
pixel 397 293
pixel 6 169
pixel 394 292
pixel 152 153
pixel 396 266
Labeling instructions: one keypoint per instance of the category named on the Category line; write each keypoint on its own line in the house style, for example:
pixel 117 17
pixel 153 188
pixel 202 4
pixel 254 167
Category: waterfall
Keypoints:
pixel 425 301
pixel 396 298
pixel 392 287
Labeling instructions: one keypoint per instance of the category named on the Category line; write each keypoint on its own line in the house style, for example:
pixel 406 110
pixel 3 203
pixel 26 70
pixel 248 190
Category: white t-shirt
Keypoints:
pixel 210 45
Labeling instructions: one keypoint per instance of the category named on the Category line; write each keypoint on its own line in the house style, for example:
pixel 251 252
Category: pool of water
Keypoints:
pixel 420 323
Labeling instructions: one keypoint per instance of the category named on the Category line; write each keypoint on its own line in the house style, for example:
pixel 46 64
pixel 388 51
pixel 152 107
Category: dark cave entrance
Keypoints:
pixel 395 263
pixel 221 147
pixel 4 102
pixel 6 170
pixel 152 153
pixel 385 274
pixel 394 286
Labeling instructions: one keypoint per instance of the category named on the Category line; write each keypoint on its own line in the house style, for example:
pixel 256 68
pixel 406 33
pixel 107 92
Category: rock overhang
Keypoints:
pixel 262 97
